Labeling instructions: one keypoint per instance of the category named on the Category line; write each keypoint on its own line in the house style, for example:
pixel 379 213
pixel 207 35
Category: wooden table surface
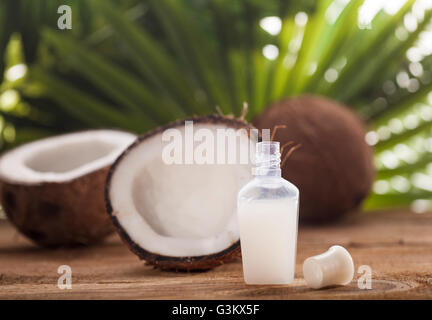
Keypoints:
pixel 396 245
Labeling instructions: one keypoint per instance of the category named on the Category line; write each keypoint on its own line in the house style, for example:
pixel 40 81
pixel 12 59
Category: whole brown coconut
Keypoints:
pixel 52 190
pixel 333 168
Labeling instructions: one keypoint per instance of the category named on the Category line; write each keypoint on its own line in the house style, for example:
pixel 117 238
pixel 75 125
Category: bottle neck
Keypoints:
pixel 267 159
pixel 268 173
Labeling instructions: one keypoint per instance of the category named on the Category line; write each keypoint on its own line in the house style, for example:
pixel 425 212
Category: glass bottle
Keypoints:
pixel 267 210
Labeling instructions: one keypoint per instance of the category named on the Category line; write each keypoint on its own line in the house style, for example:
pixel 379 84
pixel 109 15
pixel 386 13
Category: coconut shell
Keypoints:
pixel 59 214
pixel 195 263
pixel 333 168
pixel 183 264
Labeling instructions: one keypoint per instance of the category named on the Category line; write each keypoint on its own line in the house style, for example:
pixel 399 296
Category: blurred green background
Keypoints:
pixel 136 64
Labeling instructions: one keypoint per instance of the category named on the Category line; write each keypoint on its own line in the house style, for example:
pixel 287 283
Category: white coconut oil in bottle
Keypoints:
pixel 267 210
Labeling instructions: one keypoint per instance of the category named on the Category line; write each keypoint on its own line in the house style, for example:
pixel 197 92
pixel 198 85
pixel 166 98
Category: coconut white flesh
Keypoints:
pixel 177 210
pixel 65 157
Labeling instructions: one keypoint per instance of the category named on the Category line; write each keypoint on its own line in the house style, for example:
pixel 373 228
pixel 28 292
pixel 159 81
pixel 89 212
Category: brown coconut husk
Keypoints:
pixel 333 168
pixel 64 213
pixel 59 214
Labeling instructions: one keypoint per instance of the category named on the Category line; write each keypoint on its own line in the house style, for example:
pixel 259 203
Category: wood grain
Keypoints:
pixel 396 245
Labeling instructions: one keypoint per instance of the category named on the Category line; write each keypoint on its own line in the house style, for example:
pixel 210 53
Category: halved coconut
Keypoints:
pixel 179 216
pixel 52 189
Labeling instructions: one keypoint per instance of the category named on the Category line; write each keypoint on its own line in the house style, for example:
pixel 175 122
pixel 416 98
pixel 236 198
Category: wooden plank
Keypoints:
pixel 396 245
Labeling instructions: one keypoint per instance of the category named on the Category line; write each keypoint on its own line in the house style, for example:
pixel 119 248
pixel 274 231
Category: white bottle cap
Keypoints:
pixel 334 267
